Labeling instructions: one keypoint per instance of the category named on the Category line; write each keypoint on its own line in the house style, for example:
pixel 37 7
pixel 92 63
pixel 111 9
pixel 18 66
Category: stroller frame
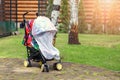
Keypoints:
pixel 36 55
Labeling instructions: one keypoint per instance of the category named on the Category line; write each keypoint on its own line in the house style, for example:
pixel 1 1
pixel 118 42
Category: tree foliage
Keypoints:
pixel 49 8
pixel 64 16
pixel 113 21
pixel 82 24
pixel 97 19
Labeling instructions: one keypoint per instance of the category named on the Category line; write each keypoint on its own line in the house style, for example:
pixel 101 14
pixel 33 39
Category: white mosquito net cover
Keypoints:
pixel 43 31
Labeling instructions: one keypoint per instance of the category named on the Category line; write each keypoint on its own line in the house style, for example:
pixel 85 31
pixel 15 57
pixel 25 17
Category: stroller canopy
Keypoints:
pixel 42 24
pixel 43 31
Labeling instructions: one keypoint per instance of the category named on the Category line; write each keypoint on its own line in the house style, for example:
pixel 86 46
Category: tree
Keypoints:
pixel 82 24
pixel 64 16
pixel 49 8
pixel 97 18
pixel 73 27
pixel 55 11
pixel 55 14
pixel 113 19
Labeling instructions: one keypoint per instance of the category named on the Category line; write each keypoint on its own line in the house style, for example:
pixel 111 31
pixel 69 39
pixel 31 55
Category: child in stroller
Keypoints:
pixel 39 34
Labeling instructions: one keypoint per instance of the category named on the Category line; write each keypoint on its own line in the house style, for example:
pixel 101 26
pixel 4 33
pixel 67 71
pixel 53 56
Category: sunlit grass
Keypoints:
pixel 98 50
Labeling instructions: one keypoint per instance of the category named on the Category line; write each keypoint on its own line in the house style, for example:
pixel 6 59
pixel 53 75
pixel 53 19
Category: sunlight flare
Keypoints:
pixel 108 1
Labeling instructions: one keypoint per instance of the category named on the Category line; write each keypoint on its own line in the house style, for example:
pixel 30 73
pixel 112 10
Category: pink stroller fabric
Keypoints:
pixel 43 32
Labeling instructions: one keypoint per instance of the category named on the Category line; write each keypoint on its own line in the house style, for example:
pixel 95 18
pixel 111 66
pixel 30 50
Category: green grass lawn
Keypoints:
pixel 96 50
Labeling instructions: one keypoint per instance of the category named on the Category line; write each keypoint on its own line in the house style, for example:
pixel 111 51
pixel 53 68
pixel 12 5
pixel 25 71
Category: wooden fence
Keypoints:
pixel 21 6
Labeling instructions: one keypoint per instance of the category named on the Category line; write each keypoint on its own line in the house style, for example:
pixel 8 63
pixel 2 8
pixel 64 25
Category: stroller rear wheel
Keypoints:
pixel 27 63
pixel 57 66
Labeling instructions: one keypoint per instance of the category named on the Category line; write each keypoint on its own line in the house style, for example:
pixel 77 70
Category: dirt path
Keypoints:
pixel 13 69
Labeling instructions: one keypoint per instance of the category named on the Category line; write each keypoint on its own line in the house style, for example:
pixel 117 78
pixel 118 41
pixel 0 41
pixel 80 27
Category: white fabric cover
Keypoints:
pixel 43 31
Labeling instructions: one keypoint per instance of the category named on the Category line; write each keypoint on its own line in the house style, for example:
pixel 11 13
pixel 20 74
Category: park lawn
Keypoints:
pixel 95 49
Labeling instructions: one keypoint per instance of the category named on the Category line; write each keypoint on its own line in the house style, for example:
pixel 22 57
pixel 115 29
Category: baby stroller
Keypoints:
pixel 39 34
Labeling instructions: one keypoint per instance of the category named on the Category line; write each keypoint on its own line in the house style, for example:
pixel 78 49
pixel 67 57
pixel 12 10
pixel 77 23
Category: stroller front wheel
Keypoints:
pixel 44 68
pixel 40 63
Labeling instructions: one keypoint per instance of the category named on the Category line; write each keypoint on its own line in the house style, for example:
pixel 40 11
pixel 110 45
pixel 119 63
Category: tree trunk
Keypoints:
pixel 55 14
pixel 73 27
pixel 73 35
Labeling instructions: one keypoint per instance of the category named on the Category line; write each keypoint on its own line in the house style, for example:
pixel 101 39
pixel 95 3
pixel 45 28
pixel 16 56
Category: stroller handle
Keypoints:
pixel 22 25
pixel 25 13
pixel 28 12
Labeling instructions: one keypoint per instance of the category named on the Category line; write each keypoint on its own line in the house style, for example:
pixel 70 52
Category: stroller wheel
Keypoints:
pixel 44 68
pixel 57 66
pixel 27 63
pixel 40 63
